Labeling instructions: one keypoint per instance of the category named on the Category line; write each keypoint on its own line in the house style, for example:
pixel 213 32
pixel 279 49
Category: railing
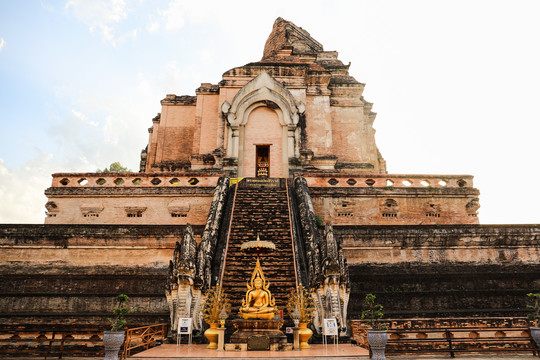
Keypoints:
pixel 451 335
pixel 462 339
pixel 143 338
pixel 389 180
pixel 51 343
pixel 85 180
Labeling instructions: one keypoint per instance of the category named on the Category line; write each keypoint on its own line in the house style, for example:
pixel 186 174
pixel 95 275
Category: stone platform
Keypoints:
pixel 192 352
pixel 317 352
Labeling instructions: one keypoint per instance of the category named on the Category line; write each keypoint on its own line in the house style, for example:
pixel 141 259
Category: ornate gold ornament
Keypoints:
pixel 258 302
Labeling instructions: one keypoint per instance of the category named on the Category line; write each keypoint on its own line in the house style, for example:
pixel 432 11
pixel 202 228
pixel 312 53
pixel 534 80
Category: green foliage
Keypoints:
pixel 320 220
pixel 534 305
pixel 302 300
pixel 115 167
pixel 119 311
pixel 373 313
pixel 215 301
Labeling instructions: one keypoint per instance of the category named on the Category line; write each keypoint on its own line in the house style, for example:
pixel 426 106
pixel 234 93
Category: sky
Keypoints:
pixel 455 84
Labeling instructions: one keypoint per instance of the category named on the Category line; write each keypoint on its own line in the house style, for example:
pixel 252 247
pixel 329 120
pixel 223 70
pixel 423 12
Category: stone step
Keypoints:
pixel 262 212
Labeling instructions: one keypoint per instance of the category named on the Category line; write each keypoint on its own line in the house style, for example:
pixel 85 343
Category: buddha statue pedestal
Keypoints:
pixel 260 334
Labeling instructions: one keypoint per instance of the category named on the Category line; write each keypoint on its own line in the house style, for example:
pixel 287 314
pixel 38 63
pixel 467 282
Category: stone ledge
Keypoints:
pixel 65 231
pixel 392 191
pixel 57 191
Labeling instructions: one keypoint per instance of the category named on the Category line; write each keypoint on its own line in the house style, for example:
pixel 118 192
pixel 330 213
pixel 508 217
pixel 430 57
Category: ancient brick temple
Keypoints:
pixel 296 112
pixel 283 148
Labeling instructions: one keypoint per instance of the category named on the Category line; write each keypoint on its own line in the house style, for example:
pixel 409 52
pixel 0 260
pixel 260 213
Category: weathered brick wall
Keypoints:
pixel 130 198
pixel 59 297
pixel 57 275
pixel 394 199
pixel 441 244
pixel 442 290
pixel 61 274
pixel 433 271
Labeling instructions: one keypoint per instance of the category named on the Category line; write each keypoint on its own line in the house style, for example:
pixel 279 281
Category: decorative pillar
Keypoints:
pixel 239 147
pixel 221 339
pixel 284 152
pixel 296 335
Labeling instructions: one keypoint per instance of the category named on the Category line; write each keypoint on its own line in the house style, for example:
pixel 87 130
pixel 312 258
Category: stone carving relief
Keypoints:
pixel 472 207
pixel 328 272
pixel 191 268
pixel 344 208
pixel 179 287
pixel 389 208
pixel 178 208
pixel 91 211
pixel 432 209
pixel 52 209
pixel 134 211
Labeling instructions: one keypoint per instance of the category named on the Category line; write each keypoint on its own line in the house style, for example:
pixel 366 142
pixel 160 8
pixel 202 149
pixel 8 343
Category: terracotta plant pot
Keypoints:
pixel 113 341
pixel 377 343
pixel 535 334
pixel 212 335
pixel 304 334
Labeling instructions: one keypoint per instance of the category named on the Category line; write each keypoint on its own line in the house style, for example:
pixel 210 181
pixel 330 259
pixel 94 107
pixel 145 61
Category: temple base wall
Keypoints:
pixel 67 274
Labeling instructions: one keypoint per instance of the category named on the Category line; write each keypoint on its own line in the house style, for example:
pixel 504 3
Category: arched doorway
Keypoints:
pixel 263 138
pixel 262 113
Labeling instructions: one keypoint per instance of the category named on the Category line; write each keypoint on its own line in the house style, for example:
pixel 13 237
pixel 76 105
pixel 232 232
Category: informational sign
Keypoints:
pixel 289 330
pixel 262 182
pixel 330 327
pixel 184 326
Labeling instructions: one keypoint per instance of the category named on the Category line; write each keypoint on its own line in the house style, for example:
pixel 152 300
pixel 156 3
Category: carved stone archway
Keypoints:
pixel 263 90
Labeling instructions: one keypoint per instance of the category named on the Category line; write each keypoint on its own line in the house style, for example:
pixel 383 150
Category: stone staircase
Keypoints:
pixel 263 211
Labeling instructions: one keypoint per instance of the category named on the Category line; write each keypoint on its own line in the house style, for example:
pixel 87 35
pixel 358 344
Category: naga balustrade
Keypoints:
pixel 143 338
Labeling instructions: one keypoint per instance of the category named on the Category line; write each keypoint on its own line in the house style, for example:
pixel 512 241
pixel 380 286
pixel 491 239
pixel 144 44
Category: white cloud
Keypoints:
pixel 98 11
pixel 110 130
pixel 179 12
pixel 152 27
pixel 19 204
pixel 99 14
pixel 174 16
pixel 2 43
pixel 83 118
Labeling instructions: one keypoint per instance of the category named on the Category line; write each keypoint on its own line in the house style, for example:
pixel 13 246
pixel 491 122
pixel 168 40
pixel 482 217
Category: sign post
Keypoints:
pixel 184 327
pixel 330 328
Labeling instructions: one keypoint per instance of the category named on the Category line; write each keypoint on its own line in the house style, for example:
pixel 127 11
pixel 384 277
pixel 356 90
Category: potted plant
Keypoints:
pixel 211 309
pixel 534 316
pixel 114 339
pixel 301 306
pixel 377 336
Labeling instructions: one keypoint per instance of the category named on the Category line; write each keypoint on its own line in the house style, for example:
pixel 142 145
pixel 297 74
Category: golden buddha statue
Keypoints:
pixel 258 303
